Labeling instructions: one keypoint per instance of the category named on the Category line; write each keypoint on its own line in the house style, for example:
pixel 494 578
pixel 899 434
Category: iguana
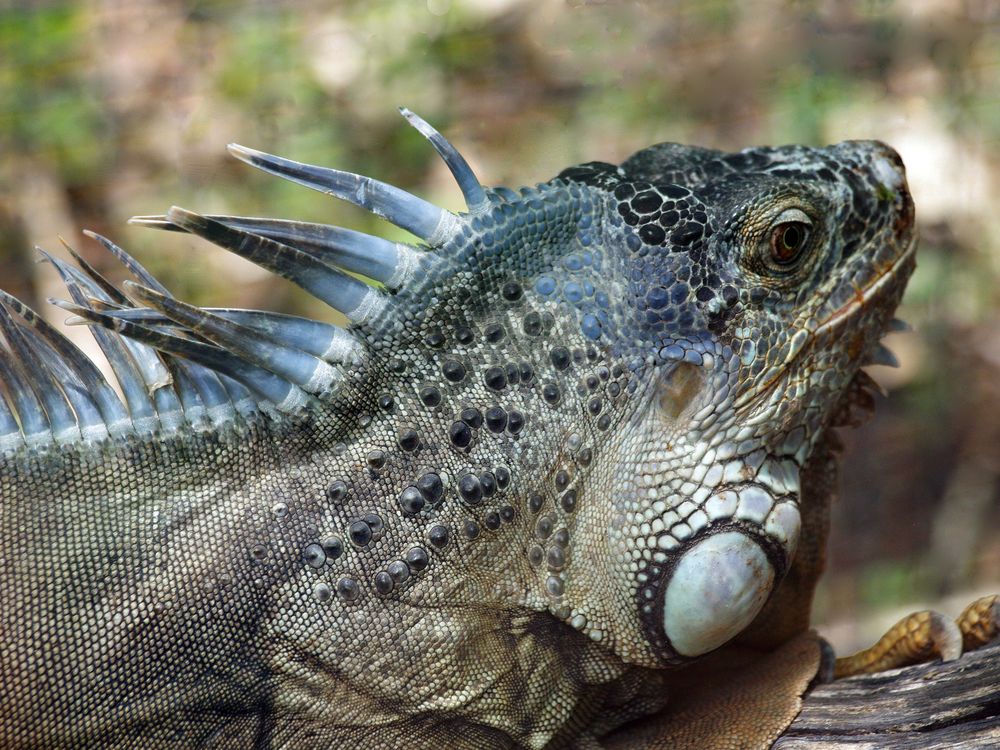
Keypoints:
pixel 572 442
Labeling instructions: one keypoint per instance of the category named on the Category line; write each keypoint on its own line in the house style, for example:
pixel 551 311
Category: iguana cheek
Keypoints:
pixel 717 588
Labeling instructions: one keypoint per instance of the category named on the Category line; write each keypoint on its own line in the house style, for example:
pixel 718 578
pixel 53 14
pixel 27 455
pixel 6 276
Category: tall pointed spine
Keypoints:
pixel 26 405
pixel 11 437
pixel 283 395
pixel 425 220
pixel 72 412
pixel 309 372
pixel 140 406
pixel 356 299
pixel 87 376
pixel 468 183
pixel 391 263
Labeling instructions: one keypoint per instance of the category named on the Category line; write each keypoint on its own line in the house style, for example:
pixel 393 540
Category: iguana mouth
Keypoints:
pixel 884 279
pixel 892 275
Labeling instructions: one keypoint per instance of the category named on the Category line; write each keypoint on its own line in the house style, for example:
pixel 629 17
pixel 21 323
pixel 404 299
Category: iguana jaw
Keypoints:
pixel 724 578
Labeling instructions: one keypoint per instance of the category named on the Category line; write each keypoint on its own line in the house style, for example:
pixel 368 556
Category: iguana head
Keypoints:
pixel 589 398
pixel 747 289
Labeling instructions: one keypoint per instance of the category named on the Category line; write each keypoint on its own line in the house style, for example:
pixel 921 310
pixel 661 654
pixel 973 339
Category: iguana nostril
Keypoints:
pixel 905 214
pixel 716 590
pixel 888 173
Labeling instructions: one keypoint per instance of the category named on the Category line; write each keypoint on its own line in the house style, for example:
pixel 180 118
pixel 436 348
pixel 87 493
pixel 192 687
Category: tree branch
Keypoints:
pixel 943 705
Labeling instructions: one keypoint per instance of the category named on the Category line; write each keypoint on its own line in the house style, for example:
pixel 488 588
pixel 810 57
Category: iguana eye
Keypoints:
pixel 787 242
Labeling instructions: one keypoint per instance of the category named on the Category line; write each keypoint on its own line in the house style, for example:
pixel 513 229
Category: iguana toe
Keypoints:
pixel 980 622
pixel 922 636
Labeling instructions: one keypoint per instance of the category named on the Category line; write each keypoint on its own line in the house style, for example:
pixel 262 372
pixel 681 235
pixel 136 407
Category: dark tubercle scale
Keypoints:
pixel 439 536
pixel 471 400
pixel 360 533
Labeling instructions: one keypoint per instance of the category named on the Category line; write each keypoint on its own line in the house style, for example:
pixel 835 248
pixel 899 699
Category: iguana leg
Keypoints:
pixel 924 635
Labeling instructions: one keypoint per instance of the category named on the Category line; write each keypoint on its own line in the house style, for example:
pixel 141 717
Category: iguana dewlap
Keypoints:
pixel 557 451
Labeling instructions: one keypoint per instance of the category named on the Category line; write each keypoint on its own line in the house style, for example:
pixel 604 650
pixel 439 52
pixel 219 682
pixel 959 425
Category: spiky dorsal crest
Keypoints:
pixel 180 367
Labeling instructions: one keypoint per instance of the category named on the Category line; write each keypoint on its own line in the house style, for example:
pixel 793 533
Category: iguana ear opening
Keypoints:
pixel 678 388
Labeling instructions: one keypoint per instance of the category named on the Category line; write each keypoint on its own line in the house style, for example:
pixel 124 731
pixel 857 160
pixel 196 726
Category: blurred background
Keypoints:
pixel 110 108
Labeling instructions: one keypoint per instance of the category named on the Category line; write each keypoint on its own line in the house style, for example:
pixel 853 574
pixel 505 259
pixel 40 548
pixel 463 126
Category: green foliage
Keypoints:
pixel 48 107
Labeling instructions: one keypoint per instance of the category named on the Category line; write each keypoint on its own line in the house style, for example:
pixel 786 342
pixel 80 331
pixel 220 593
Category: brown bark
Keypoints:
pixel 941 705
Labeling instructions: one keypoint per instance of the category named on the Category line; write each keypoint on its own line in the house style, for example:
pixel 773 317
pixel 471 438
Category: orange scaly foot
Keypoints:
pixel 922 636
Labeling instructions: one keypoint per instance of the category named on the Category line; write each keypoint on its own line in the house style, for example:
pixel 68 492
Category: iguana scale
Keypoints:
pixel 554 459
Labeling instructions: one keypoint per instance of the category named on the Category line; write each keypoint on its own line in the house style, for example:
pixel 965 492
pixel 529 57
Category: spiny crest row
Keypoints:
pixel 181 367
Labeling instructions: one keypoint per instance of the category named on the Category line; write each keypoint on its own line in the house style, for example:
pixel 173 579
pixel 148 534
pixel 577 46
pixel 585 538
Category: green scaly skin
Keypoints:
pixel 570 425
